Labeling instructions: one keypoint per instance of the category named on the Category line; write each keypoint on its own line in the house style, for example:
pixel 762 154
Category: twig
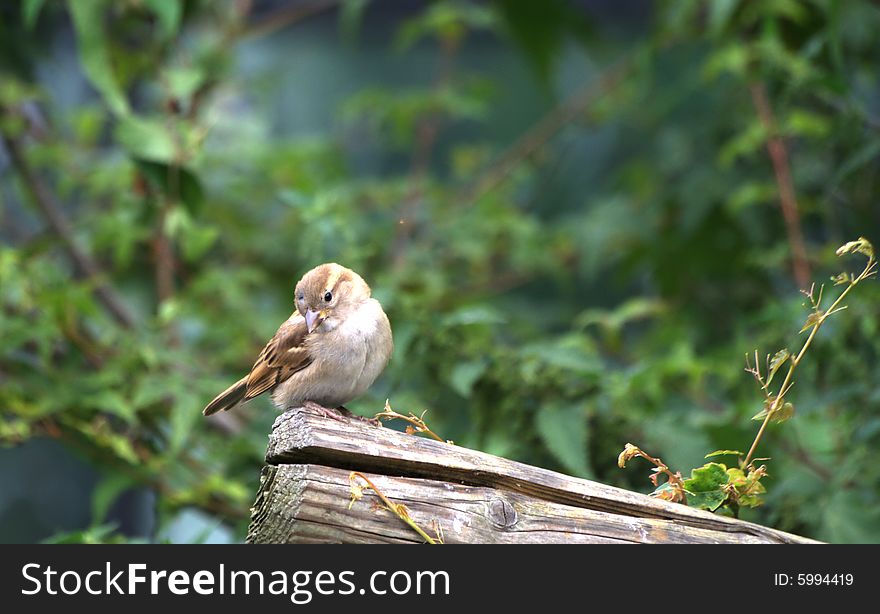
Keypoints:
pixel 418 423
pixel 284 17
pixel 787 199
pixel 676 491
pixel 164 257
pixel 869 271
pixel 397 508
pixel 51 210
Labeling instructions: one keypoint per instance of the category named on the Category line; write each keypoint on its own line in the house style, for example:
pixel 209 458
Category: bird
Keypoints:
pixel 328 352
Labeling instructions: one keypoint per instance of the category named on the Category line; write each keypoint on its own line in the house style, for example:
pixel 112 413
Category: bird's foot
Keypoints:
pixel 325 411
pixel 341 413
pixel 347 412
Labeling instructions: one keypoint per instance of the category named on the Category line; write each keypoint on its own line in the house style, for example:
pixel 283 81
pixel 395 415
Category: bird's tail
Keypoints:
pixel 229 398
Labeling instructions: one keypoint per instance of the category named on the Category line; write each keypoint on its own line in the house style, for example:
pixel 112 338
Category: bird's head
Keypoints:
pixel 327 292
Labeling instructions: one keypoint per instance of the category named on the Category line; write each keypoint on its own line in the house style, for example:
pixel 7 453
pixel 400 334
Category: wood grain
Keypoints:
pixel 474 497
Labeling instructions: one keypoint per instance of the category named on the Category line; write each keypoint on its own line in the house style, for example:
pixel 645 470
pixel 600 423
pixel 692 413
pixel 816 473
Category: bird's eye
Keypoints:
pixel 300 297
pixel 328 297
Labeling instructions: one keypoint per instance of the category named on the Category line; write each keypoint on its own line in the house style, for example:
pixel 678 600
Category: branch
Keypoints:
pixel 163 252
pixel 787 200
pixel 284 17
pixel 83 263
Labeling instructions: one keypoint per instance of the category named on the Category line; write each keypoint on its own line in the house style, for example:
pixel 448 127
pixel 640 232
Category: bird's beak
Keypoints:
pixel 314 318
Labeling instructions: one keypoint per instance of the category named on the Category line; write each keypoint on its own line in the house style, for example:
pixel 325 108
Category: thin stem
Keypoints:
pixel 394 507
pixel 787 383
pixel 52 211
pixel 418 423
pixel 285 17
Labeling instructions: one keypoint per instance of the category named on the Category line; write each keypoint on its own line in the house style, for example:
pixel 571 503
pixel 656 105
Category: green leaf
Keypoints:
pixel 812 319
pixel 710 500
pixel 563 429
pixel 723 453
pixel 720 12
pixel 749 490
pixel 176 182
pixel 182 82
pixel 184 416
pixel 704 487
pixel 168 13
pixel 804 123
pixel 614 320
pixel 750 140
pixel 708 477
pixel 732 58
pixel 780 415
pixel 88 21
pixel 465 375
pixel 776 362
pixel 750 194
pixel 443 20
pixel 13 430
pixel 148 139
pixel 30 12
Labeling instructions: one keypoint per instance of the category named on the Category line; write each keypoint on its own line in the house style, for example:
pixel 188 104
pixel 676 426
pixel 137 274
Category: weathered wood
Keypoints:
pixel 472 496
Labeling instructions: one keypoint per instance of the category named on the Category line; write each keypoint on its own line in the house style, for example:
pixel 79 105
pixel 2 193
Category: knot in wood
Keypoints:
pixel 501 513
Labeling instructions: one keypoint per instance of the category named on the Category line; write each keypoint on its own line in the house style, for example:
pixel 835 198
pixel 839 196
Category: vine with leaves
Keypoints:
pixel 717 487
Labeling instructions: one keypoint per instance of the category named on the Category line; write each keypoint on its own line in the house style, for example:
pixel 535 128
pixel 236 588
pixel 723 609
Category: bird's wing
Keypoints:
pixel 284 355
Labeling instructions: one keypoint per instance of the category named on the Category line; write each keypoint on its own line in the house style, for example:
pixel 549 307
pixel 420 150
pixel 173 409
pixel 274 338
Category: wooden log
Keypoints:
pixel 466 495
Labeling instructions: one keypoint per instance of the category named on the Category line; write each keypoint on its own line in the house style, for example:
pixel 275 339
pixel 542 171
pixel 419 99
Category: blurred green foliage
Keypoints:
pixel 596 281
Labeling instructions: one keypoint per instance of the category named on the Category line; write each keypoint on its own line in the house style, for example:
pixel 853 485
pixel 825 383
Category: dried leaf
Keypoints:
pixel 357 492
pixel 629 452
pixel 861 246
pixel 669 492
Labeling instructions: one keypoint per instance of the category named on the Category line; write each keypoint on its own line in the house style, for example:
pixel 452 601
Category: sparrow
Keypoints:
pixel 328 352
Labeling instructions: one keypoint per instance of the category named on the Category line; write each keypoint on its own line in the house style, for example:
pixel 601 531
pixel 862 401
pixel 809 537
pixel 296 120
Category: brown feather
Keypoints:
pixel 227 399
pixel 283 356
